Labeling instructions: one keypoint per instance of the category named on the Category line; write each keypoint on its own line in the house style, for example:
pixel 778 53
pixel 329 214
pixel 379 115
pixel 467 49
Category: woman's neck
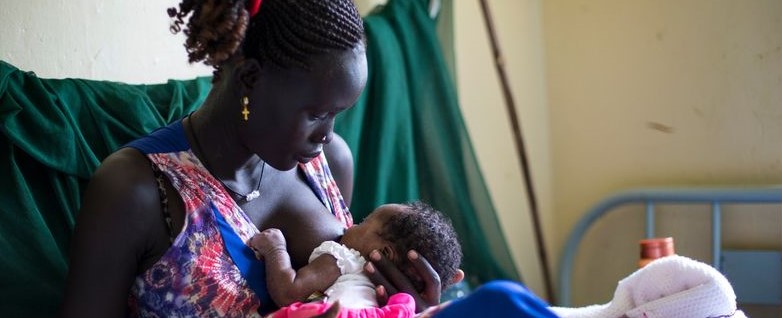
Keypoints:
pixel 215 140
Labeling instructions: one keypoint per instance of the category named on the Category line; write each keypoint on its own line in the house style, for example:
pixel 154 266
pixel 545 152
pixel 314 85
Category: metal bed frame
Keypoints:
pixel 740 267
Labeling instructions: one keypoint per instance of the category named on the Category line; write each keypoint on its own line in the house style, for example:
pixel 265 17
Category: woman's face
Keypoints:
pixel 292 111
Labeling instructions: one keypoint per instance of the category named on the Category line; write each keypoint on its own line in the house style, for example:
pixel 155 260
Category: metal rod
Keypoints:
pixel 649 219
pixel 716 234
pixel 499 63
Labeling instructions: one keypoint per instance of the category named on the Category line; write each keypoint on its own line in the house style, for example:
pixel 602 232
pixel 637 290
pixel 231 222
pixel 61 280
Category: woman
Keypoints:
pixel 163 221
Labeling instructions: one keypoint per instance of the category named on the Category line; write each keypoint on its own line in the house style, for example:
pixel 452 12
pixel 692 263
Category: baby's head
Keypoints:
pixel 394 229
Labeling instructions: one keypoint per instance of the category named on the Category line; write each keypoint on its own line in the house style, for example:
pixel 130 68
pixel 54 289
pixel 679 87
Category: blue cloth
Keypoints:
pixel 499 298
pixel 165 139
pixel 253 270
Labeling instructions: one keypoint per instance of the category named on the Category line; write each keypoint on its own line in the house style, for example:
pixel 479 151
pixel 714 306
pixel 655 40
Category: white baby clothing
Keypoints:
pixel 353 289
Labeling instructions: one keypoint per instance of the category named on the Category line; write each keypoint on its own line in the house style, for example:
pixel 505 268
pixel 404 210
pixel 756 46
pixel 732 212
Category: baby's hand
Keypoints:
pixel 267 242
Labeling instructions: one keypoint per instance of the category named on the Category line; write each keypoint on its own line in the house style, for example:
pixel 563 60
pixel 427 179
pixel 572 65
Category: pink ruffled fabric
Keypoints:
pixel 400 305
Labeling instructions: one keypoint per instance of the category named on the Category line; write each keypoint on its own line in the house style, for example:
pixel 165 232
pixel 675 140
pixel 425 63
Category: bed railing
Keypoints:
pixel 649 197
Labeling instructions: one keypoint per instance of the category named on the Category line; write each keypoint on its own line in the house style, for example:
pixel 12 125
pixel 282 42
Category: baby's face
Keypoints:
pixel 365 236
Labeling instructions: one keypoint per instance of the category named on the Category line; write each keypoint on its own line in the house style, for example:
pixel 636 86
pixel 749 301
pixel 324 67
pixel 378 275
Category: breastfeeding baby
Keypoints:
pixel 335 269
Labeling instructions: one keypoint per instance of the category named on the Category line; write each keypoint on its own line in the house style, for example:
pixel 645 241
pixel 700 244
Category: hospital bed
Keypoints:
pixel 755 274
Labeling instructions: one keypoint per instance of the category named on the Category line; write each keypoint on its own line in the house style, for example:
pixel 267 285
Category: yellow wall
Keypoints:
pixel 617 94
pixel 648 93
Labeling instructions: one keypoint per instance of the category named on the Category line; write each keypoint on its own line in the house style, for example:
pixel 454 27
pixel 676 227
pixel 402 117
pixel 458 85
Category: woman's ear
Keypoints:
pixel 248 72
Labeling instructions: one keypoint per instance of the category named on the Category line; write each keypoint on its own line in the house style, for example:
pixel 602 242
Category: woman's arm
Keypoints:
pixel 286 285
pixel 341 164
pixel 120 213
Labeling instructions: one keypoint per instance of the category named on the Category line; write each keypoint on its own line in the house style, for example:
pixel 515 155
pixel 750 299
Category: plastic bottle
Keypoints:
pixel 654 248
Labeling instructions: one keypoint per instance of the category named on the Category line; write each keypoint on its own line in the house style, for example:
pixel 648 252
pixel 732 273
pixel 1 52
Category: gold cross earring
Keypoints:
pixel 245 111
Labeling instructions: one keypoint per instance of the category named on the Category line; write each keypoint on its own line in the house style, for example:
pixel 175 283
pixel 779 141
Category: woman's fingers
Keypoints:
pixel 382 295
pixel 377 269
pixel 384 273
pixel 432 281
pixel 398 281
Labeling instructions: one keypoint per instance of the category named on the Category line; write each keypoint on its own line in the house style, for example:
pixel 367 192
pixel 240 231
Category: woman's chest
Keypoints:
pixel 294 205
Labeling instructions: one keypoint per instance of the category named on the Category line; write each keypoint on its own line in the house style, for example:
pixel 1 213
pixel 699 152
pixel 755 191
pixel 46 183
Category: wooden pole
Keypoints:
pixel 499 63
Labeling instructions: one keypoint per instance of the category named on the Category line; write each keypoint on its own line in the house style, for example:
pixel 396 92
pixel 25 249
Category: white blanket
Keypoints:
pixel 673 286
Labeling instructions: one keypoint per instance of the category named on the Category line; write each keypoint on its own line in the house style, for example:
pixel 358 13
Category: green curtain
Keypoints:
pixel 409 140
pixel 54 134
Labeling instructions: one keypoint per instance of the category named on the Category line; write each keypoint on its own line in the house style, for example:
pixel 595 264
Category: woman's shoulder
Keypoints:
pixel 118 230
pixel 338 153
pixel 124 182
pixel 125 169
pixel 340 161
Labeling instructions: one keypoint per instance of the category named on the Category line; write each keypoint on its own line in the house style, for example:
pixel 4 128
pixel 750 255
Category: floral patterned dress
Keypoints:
pixel 209 271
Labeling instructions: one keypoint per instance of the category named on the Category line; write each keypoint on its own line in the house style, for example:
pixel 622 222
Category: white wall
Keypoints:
pixel 125 41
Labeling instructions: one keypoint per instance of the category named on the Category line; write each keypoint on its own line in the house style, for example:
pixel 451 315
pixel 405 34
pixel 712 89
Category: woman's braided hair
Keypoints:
pixel 430 233
pixel 287 33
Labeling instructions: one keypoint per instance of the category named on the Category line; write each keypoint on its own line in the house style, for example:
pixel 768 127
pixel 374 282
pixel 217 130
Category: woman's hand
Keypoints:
pixel 390 280
pixel 267 242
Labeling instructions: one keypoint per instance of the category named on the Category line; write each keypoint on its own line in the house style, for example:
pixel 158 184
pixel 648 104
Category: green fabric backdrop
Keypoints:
pixel 406 133
pixel 54 134
pixel 410 142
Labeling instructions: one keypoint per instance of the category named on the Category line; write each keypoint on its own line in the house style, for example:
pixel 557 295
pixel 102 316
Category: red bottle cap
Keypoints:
pixel 655 248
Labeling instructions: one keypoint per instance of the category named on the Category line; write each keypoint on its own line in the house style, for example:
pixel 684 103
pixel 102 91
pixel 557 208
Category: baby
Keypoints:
pixel 336 268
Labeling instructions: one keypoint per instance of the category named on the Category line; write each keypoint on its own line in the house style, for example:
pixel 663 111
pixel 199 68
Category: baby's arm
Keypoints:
pixel 286 285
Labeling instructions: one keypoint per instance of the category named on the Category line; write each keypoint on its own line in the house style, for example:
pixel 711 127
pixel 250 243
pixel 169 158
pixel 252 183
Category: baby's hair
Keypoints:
pixel 431 234
pixel 287 33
